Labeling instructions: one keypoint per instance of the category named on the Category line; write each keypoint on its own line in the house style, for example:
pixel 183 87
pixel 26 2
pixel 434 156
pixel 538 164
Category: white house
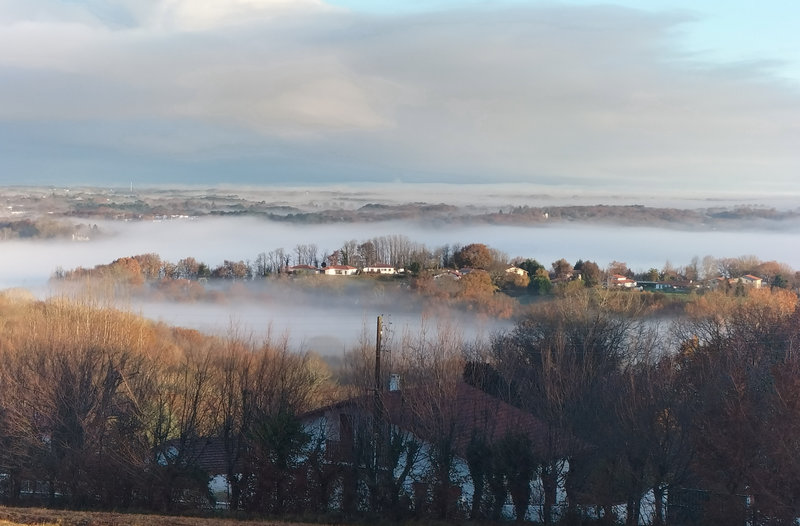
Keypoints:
pixel 339 270
pixel 380 268
pixel 516 270
pixel 751 281
pixel 620 281
pixel 748 280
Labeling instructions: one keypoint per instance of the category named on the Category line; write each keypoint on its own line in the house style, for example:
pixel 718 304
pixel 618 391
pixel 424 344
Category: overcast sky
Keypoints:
pixel 679 95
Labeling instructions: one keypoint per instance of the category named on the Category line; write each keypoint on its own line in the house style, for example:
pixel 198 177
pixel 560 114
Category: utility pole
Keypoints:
pixel 377 419
pixel 378 337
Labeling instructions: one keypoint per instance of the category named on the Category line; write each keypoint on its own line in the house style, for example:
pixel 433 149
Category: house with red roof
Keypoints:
pixel 302 270
pixel 620 281
pixel 747 280
pixel 339 270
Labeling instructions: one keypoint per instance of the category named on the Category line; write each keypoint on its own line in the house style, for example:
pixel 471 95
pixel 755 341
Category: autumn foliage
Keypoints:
pixel 103 408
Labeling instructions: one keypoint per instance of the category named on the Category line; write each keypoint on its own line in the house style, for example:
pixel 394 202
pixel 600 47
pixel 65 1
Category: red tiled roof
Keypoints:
pixel 339 267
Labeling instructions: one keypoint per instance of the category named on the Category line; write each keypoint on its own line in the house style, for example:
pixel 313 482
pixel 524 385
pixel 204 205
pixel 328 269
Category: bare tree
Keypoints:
pixel 433 365
pixel 557 363
pixel 738 367
pixel 262 267
pixel 74 398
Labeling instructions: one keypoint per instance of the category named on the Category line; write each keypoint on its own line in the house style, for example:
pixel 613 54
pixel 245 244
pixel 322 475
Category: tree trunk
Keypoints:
pixel 477 497
pixel 572 497
pixel 550 485
pixel 16 488
pixel 633 508
pixel 233 499
pixel 350 490
pixel 658 508
pixel 608 515
pixel 442 497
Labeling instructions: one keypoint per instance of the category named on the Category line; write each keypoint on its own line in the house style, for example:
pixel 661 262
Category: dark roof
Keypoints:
pixel 470 412
pixel 207 453
pixel 476 412
pixel 302 267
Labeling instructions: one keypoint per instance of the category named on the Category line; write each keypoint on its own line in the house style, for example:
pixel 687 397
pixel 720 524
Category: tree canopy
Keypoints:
pixel 475 255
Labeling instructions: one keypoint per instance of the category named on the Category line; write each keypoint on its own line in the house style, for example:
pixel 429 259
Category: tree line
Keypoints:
pixel 402 253
pixel 473 277
pixel 43 228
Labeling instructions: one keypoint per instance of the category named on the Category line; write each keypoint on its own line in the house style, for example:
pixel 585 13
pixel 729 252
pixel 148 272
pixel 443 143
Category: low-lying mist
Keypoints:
pixel 323 314
pixel 332 318
pixel 213 240
pixel 326 330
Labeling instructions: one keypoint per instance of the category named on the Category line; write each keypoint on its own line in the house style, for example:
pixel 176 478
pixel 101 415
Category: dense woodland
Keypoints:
pixel 103 409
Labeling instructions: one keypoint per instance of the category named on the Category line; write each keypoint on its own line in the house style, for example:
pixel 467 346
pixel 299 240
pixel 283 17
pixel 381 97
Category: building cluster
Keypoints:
pixel 343 270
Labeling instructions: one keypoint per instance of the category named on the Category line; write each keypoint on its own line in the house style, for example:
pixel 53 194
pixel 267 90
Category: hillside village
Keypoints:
pixel 474 274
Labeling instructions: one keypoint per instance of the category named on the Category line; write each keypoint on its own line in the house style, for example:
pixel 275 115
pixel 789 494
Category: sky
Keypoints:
pixel 654 96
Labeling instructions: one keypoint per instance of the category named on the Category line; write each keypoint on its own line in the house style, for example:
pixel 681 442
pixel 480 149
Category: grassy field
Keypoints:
pixel 45 517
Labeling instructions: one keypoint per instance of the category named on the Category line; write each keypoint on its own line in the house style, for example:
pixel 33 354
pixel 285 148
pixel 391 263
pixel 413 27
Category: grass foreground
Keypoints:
pixel 46 517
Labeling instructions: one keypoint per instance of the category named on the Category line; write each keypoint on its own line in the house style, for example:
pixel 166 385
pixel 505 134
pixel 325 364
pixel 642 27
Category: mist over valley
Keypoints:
pixel 232 225
pixel 30 263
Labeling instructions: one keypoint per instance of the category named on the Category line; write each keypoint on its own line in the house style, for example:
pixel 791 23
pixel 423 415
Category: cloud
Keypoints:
pixel 279 88
pixel 216 63
pixel 202 15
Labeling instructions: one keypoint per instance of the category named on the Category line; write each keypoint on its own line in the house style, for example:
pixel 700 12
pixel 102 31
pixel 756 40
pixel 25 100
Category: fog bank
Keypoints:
pixel 330 319
pixel 213 240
